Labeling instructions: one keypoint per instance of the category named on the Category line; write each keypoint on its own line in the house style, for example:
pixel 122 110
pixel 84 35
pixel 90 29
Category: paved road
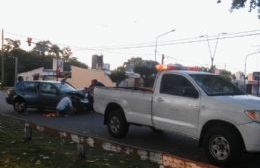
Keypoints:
pixel 92 124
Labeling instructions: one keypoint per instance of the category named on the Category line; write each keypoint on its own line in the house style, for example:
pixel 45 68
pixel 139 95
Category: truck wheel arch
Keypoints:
pixel 110 107
pixel 220 123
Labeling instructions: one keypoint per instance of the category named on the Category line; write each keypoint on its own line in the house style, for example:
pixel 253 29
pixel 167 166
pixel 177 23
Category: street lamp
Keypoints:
pixel 163 34
pixel 253 53
pixel 212 56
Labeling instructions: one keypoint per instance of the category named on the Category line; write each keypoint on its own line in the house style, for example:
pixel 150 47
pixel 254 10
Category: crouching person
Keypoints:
pixel 65 107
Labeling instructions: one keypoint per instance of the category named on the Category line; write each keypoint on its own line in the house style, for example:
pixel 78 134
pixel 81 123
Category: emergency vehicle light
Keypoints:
pixel 161 67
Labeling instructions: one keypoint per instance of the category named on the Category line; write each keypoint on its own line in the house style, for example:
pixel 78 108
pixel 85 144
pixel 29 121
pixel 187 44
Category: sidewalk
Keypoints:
pixel 47 151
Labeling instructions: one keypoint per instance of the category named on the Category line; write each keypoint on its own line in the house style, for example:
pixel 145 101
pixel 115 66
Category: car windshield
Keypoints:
pixel 64 87
pixel 215 85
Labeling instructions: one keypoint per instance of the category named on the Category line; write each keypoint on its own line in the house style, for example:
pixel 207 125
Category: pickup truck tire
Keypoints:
pixel 19 106
pixel 222 145
pixel 116 124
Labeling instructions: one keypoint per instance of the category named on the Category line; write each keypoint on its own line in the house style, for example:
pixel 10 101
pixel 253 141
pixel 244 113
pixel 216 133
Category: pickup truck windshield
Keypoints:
pixel 215 85
pixel 64 87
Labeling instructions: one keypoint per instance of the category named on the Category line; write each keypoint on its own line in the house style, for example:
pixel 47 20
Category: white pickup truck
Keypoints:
pixel 203 106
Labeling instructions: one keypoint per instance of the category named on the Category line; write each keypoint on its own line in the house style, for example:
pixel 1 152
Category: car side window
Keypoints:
pixel 47 88
pixel 30 87
pixel 177 85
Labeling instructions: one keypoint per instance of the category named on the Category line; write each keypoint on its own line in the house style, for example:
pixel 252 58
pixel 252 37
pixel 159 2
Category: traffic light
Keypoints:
pixel 29 41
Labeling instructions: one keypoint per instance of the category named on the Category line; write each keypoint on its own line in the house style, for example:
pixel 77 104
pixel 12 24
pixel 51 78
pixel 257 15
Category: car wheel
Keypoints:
pixel 19 106
pixel 117 125
pixel 222 145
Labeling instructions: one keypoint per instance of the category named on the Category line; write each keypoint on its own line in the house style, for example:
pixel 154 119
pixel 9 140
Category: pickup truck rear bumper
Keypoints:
pixel 9 100
pixel 251 135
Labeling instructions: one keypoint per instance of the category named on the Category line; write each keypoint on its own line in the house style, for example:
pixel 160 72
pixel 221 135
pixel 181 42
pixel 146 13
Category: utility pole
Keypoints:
pixel 162 59
pixel 156 41
pixel 2 59
pixel 15 70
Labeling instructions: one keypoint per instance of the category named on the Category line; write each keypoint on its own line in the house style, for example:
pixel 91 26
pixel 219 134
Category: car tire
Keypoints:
pixel 222 145
pixel 19 106
pixel 117 125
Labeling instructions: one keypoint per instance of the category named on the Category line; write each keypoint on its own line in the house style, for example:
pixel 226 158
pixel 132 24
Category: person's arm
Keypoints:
pixel 72 108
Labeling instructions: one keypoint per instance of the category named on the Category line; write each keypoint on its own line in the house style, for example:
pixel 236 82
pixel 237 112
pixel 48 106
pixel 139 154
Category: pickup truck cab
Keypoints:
pixel 201 105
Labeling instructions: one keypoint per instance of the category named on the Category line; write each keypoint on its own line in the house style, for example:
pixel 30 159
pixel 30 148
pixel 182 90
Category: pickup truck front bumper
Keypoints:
pixel 251 135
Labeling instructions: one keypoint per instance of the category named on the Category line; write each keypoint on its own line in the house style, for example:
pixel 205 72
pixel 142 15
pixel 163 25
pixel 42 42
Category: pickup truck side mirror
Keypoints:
pixel 191 92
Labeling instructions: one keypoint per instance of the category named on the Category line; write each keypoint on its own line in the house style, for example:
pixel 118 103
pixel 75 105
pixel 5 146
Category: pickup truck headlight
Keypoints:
pixel 254 115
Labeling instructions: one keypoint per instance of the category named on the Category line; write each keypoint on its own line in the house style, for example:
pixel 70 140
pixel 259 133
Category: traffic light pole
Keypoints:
pixel 2 59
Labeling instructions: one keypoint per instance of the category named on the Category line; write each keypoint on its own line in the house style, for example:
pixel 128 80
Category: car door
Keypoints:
pixel 48 95
pixel 176 105
pixel 29 93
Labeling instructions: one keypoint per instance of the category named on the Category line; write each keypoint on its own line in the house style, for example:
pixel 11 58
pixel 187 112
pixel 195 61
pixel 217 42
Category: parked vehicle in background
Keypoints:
pixel 203 106
pixel 45 95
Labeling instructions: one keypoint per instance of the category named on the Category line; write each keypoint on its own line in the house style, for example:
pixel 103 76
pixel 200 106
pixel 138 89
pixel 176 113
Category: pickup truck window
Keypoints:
pixel 177 85
pixel 215 85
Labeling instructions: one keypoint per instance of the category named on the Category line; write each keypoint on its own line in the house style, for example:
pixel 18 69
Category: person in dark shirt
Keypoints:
pixel 91 88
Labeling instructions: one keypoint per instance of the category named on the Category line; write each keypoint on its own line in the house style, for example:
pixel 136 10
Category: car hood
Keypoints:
pixel 246 101
pixel 76 93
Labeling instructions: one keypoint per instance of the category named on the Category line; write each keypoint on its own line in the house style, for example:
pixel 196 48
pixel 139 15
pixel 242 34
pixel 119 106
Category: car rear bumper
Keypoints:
pixel 251 135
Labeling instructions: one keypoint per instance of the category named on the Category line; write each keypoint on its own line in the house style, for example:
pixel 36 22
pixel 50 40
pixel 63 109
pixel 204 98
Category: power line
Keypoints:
pixel 62 44
pixel 182 42
pixel 165 43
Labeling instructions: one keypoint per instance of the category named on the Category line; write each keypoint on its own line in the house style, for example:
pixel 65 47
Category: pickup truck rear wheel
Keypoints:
pixel 19 106
pixel 222 145
pixel 117 126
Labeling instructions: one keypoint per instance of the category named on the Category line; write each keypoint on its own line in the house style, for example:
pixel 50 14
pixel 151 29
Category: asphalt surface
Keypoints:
pixel 91 124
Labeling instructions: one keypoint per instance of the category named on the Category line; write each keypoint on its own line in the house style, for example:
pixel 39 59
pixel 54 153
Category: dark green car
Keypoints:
pixel 45 95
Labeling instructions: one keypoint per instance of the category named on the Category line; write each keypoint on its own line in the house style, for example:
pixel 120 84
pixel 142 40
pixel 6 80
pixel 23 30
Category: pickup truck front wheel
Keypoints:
pixel 117 126
pixel 222 145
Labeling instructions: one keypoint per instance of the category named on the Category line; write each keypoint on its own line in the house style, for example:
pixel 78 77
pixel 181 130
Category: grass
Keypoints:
pixel 46 151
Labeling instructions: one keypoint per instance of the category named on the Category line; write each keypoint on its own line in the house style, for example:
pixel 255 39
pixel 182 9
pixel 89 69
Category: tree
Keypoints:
pixel 146 68
pixel 237 4
pixel 11 45
pixel 55 50
pixel 118 75
pixel 28 61
pixel 226 74
pixel 42 47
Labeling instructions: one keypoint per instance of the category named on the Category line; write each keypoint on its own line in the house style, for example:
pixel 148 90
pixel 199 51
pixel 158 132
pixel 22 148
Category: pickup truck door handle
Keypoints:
pixel 159 99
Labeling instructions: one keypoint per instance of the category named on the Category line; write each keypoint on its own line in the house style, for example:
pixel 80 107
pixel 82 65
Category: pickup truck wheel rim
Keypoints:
pixel 219 148
pixel 115 124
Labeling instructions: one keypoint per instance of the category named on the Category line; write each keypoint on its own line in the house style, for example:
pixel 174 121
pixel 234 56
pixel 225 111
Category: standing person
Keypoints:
pixel 20 84
pixel 65 106
pixel 91 88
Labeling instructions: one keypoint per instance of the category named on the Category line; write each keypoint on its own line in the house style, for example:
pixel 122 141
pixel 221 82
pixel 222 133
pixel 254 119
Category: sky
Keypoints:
pixel 110 27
